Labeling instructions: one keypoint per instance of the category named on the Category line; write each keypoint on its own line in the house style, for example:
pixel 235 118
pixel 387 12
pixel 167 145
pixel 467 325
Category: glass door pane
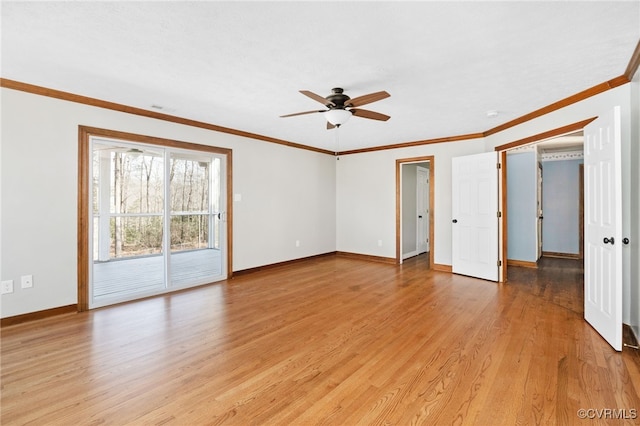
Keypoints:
pixel 128 226
pixel 145 199
pixel 194 191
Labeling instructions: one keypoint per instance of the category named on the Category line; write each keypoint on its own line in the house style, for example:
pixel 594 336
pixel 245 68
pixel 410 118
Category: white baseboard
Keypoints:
pixel 413 254
pixel 410 254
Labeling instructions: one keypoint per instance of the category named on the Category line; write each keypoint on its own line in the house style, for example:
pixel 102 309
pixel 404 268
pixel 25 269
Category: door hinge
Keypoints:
pixel 499 262
pixel 499 166
pixel 499 214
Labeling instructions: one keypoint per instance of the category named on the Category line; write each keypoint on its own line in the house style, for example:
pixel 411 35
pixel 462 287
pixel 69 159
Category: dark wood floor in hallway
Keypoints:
pixel 329 340
pixel 559 281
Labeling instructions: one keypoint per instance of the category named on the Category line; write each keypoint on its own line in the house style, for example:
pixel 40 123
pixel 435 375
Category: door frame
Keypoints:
pixel 540 212
pixel 502 149
pixel 581 213
pixel 85 133
pixel 399 162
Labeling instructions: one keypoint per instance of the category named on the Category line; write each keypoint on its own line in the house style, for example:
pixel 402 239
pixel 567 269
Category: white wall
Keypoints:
pixel 366 198
pixel 365 194
pixel 288 194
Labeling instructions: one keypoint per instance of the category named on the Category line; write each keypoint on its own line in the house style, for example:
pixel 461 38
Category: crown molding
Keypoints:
pixel 569 128
pixel 634 63
pixel 592 91
pixel 71 97
pixel 585 94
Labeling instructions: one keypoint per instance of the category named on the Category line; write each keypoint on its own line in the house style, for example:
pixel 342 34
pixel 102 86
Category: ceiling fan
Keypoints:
pixel 341 107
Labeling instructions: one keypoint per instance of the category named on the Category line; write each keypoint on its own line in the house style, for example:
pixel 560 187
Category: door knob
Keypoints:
pixel 608 240
pixel 455 220
pixel 625 241
pixel 420 217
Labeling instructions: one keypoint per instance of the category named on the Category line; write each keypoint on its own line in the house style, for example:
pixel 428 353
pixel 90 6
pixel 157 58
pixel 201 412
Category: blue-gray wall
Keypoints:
pixel 561 206
pixel 522 236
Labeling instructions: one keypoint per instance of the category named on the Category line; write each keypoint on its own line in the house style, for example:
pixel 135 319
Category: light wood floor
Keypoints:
pixel 326 341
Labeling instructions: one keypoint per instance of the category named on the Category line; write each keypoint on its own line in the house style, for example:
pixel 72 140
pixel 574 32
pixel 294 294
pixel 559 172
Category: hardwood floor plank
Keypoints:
pixel 331 340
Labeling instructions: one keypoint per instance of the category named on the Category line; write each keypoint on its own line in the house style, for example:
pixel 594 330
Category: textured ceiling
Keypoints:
pixel 241 64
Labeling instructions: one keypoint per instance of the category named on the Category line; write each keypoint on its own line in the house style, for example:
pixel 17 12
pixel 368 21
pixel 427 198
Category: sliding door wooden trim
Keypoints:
pixel 84 194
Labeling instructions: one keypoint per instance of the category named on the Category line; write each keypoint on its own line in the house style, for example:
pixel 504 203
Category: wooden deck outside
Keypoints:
pixel 146 273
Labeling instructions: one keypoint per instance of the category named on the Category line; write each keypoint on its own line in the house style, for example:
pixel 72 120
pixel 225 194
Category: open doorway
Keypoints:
pixel 544 229
pixel 544 200
pixel 569 129
pixel 414 208
pixel 604 221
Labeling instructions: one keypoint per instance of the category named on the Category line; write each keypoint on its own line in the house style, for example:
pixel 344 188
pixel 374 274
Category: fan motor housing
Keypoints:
pixel 338 98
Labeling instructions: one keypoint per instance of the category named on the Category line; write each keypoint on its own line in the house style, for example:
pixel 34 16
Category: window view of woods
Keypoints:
pixel 190 206
pixel 129 201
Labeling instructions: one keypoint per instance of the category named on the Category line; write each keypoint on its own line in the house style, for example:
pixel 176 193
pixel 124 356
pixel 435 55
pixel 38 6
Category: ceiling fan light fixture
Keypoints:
pixel 337 116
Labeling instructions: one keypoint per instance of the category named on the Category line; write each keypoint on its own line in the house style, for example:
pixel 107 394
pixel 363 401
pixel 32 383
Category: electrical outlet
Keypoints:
pixel 6 287
pixel 379 243
pixel 297 243
pixel 26 281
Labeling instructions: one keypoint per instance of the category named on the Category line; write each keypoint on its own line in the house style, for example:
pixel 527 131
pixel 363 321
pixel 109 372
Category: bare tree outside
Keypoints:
pixel 155 221
pixel 137 200
pixel 190 204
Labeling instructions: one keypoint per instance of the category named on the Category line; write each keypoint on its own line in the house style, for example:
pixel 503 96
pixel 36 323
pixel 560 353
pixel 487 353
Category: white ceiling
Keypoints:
pixel 241 64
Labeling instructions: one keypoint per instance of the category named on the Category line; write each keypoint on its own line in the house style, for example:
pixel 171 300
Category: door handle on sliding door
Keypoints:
pixel 608 240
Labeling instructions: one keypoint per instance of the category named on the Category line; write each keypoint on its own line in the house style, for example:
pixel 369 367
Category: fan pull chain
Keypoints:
pixel 337 143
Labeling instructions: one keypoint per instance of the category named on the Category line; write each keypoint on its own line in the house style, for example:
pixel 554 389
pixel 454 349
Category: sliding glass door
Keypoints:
pixel 158 215
pixel 195 218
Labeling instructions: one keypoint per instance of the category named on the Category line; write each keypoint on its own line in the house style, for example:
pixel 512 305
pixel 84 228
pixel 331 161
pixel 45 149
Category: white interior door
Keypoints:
pixel 475 216
pixel 603 227
pixel 422 206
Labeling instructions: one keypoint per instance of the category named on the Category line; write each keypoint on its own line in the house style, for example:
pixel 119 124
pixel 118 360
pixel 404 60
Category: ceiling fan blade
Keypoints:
pixel 299 113
pixel 364 113
pixel 367 99
pixel 330 126
pixel 318 98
